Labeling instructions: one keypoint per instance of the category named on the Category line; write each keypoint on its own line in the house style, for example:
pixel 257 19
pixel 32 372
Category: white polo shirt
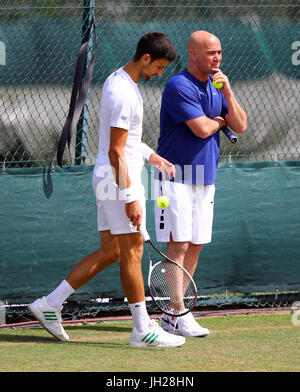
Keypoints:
pixel 121 107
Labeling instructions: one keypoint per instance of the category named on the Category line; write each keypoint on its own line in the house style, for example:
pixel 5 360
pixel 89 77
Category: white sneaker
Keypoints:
pixel 49 317
pixel 155 336
pixel 184 325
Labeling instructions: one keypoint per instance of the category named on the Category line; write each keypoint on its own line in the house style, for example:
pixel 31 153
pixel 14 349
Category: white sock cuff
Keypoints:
pixel 140 315
pixel 60 294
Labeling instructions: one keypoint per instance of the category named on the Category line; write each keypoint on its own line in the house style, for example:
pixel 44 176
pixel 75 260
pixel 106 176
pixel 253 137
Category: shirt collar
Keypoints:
pixel 195 80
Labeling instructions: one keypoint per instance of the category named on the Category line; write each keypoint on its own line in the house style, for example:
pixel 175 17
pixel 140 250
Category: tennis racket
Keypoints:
pixel 171 286
pixel 229 134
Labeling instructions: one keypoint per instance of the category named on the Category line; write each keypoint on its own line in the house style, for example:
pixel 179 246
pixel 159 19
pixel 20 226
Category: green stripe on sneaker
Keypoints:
pixel 50 316
pixel 150 337
pixel 145 336
pixel 155 337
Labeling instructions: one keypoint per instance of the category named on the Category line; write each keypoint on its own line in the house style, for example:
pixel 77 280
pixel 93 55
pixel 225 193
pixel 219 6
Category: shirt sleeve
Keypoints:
pixel 121 111
pixel 182 103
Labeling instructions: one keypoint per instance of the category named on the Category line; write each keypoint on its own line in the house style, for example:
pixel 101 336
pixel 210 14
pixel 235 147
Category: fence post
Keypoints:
pixel 82 126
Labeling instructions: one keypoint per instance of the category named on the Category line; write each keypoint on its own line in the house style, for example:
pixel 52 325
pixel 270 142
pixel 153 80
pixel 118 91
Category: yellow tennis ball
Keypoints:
pixel 163 202
pixel 216 84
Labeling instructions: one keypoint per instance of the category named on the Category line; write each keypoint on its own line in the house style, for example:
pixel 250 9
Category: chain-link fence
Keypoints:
pixel 40 39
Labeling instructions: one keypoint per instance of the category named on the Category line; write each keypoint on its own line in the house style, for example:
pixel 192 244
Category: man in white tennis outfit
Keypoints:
pixel 120 196
pixel 192 113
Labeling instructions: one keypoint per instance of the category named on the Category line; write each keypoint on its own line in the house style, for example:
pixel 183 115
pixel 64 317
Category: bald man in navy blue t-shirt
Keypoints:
pixel 192 113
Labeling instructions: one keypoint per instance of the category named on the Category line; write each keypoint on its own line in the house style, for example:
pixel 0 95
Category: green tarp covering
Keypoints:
pixel 48 223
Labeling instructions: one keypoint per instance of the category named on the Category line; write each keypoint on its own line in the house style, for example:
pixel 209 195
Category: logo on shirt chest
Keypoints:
pixel 124 118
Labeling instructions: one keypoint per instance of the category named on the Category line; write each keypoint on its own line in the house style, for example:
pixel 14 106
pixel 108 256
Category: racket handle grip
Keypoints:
pixel 229 134
pixel 144 234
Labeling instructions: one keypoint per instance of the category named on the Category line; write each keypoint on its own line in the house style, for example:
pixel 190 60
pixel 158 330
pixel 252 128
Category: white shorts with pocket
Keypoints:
pixel 189 216
pixel 111 214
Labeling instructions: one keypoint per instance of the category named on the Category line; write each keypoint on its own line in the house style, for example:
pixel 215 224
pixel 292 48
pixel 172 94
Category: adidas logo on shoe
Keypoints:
pixel 155 336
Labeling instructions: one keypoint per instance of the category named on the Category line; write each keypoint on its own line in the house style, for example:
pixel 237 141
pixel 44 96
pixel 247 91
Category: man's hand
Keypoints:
pixel 134 213
pixel 218 75
pixel 222 122
pixel 163 165
pixel 236 117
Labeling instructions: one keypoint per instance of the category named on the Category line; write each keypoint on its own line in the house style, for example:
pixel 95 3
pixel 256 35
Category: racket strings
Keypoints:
pixel 172 288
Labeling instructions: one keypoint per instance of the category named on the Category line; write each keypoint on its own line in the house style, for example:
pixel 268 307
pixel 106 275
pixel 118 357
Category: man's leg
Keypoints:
pixel 176 251
pixel 191 257
pixel 131 248
pixel 146 332
pixel 91 265
pixel 186 254
pixel 48 309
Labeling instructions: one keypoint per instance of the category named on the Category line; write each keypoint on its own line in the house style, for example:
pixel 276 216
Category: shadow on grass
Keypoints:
pixel 8 338
pixel 46 340
pixel 106 328
pixel 31 338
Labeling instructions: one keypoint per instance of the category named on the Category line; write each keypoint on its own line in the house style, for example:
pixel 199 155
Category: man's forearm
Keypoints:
pixel 204 127
pixel 236 117
pixel 120 169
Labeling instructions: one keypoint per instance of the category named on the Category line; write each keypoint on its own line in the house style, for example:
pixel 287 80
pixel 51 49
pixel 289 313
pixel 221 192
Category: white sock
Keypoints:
pixel 60 294
pixel 140 315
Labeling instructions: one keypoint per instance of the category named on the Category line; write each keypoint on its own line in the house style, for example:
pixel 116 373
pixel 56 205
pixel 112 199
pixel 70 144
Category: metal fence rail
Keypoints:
pixel 39 42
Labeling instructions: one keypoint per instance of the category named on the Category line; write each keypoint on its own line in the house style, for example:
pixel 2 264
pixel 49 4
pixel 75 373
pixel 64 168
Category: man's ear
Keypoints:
pixel 146 59
pixel 192 54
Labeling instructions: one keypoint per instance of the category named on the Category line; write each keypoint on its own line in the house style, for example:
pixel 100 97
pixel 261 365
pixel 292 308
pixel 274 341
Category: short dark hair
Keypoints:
pixel 157 45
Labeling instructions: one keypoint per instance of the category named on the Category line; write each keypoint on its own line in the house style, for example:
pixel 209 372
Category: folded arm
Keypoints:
pixel 236 117
pixel 203 126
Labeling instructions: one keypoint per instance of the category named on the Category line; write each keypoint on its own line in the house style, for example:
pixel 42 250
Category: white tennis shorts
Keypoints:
pixel 111 214
pixel 189 216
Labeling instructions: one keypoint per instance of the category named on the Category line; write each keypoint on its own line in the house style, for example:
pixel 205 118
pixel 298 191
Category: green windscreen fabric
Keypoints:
pixel 48 223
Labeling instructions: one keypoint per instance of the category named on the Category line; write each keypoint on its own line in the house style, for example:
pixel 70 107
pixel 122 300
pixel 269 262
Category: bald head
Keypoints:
pixel 205 54
pixel 200 39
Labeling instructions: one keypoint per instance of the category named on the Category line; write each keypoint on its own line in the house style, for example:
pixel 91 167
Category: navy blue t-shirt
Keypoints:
pixel 185 98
